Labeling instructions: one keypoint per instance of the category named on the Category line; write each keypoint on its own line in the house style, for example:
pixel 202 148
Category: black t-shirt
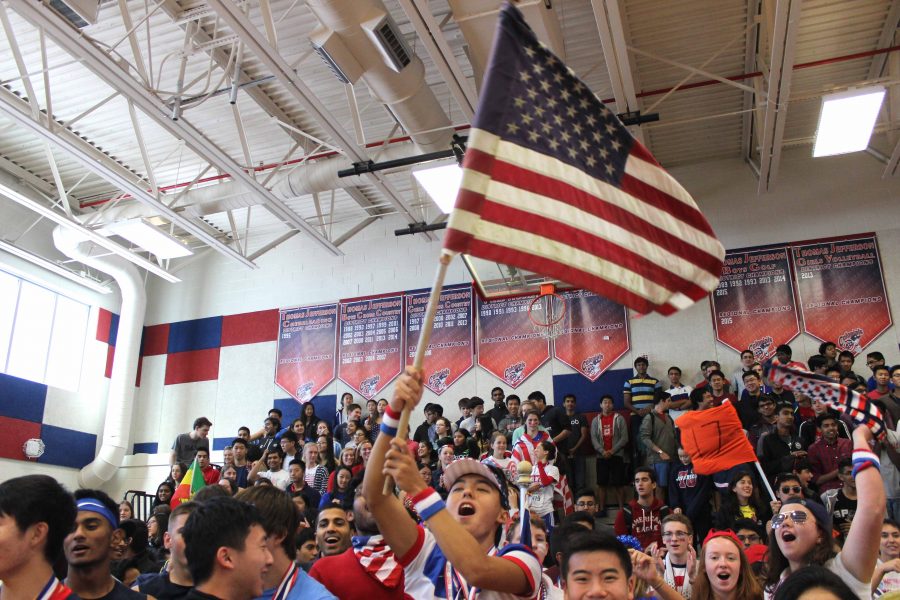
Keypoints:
pixel 160 587
pixel 556 421
pixel 844 510
pixel 121 592
pixel 576 422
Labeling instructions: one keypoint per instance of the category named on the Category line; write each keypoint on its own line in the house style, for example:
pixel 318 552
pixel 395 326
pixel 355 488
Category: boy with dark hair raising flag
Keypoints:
pixel 458 545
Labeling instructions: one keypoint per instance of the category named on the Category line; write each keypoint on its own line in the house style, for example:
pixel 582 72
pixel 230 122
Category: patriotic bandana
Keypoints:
pixel 818 387
pixel 377 558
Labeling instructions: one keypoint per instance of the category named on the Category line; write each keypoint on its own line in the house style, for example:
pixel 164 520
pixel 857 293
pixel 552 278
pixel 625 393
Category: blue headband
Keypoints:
pixel 94 505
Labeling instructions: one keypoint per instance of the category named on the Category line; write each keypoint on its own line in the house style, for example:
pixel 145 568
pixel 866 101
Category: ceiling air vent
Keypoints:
pixel 386 36
pixel 331 49
pixel 79 13
pixel 333 66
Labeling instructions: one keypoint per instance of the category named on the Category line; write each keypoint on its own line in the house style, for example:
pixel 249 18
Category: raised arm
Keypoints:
pixel 390 456
pixel 459 546
pixel 253 475
pixel 399 531
pixel 860 551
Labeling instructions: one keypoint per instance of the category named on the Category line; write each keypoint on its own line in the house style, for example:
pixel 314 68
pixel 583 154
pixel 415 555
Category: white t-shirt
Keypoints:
pixel 430 575
pixel 280 479
pixel 540 502
pixel 861 588
pixel 889 583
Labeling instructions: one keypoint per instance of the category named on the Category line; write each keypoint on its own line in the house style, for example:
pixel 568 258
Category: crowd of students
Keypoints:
pixel 298 511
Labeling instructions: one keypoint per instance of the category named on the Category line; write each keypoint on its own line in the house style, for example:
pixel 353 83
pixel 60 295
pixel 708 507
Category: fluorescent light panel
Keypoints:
pixel 441 181
pixel 95 237
pixel 152 239
pixel 846 120
pixel 54 268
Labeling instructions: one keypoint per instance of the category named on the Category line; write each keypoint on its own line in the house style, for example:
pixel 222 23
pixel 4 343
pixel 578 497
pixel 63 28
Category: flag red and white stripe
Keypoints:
pixel 554 183
pixel 378 560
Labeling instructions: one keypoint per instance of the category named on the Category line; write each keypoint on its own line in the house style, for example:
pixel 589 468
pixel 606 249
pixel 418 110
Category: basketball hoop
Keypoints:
pixel 546 312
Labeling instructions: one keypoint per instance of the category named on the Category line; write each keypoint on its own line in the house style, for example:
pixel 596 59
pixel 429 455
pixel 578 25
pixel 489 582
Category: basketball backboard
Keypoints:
pixel 496 280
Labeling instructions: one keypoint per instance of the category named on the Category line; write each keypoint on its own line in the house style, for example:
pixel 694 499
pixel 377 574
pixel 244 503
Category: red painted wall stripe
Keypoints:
pixel 250 328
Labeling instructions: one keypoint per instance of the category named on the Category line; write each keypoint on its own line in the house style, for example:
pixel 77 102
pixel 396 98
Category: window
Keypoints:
pixel 42 333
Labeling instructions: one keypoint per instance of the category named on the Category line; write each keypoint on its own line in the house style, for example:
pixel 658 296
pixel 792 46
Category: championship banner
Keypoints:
pixel 595 333
pixel 306 348
pixel 371 353
pixel 449 352
pixel 842 291
pixel 508 346
pixel 754 305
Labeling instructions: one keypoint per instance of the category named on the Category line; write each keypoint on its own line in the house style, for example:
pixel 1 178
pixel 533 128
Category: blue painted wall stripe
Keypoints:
pixel 67 447
pixel 22 399
pixel 587 392
pixel 197 334
pixel 146 448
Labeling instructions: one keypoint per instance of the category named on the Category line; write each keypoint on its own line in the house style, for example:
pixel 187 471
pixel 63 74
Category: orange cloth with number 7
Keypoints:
pixel 714 439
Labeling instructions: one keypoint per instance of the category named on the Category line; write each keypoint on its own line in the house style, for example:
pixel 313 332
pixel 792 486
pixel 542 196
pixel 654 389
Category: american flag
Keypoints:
pixel 554 183
pixel 377 558
pixel 818 387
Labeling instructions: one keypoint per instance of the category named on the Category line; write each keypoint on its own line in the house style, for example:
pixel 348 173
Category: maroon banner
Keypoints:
pixel 508 346
pixel 754 305
pixel 306 348
pixel 595 333
pixel 842 292
pixel 371 353
pixel 449 352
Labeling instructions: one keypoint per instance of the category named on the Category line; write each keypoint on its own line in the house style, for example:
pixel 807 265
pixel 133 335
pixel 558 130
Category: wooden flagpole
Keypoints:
pixel 424 338
pixel 765 480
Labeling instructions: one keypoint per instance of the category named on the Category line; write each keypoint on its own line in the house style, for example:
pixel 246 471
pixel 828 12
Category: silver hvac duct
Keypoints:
pixel 358 39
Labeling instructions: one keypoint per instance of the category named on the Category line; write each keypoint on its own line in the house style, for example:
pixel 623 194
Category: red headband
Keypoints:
pixel 714 533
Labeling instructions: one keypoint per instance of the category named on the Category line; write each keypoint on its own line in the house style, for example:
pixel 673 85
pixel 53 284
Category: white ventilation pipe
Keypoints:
pixel 406 93
pixel 322 175
pixel 308 178
pixel 120 397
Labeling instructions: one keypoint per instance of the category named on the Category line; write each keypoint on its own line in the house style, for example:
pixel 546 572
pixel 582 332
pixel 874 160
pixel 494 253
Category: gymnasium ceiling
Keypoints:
pixel 133 114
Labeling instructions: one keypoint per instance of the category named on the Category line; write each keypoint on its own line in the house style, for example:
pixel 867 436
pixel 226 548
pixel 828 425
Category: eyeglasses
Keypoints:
pixel 799 517
pixel 678 535
pixel 589 503
pixel 750 538
pixel 791 489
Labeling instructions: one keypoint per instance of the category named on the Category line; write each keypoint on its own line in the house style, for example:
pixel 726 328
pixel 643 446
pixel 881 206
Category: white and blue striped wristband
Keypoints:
pixel 862 459
pixel 390 422
pixel 427 503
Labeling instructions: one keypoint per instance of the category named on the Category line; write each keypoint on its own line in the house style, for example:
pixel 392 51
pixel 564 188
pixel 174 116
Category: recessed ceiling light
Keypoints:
pixel 846 120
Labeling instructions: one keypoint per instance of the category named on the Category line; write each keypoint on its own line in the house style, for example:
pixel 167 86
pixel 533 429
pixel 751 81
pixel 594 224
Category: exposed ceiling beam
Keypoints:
pixel 256 93
pixel 611 27
pixel 890 168
pixel 95 59
pixel 101 164
pixel 778 89
pixel 9 190
pixel 885 40
pixel 891 64
pixel 751 46
pixel 27 176
pixel 273 244
pixel 241 24
pixel 430 35
pixel 354 230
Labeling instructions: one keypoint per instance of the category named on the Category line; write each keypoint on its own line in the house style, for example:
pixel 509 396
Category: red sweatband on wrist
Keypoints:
pixel 422 495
